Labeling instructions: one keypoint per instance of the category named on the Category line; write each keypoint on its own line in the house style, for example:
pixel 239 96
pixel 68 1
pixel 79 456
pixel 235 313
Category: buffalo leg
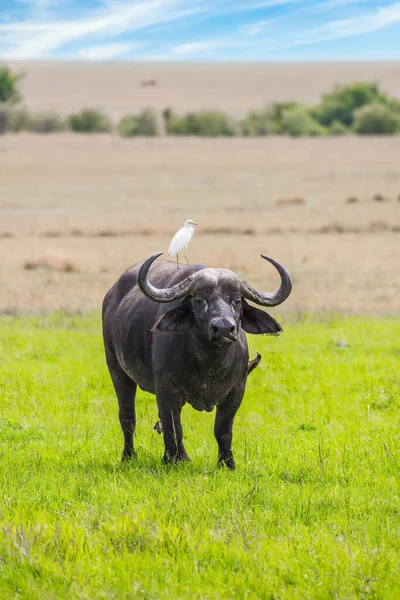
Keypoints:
pixel 223 428
pixel 170 417
pixel 125 389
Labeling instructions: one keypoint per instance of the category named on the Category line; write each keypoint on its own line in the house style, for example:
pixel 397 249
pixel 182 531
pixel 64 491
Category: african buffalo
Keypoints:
pixel 182 337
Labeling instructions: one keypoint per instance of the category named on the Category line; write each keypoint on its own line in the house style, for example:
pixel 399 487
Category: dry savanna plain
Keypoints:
pixel 313 508
pixel 78 209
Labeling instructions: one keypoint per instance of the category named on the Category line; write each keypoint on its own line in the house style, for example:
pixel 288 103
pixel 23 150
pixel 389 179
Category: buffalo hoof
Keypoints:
pixel 170 460
pixel 229 463
pixel 128 455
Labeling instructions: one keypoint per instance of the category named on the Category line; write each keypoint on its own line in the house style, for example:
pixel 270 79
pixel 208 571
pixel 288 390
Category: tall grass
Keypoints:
pixel 311 512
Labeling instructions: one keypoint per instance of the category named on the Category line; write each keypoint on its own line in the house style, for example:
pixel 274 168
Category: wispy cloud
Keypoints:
pixel 197 47
pixel 359 25
pixel 335 4
pixel 38 5
pixel 106 51
pixel 261 26
pixel 247 6
pixel 252 29
pixel 114 19
pixel 38 9
pixel 362 23
pixel 206 47
pixel 184 29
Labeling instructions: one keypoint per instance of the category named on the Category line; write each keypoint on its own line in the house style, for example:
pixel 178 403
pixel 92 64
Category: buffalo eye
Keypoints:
pixel 237 302
pixel 199 301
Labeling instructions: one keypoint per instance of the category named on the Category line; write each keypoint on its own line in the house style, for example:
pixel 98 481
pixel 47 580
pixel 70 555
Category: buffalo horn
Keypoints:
pixel 271 298
pixel 179 290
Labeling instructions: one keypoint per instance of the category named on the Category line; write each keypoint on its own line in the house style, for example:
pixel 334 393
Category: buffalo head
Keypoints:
pixel 213 302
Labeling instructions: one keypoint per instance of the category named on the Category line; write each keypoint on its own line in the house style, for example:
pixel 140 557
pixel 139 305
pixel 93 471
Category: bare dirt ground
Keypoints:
pixel 77 210
pixel 232 87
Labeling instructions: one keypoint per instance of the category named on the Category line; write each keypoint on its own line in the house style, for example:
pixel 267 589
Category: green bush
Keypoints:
pixel 393 104
pixel 9 85
pixel 143 124
pixel 13 119
pixel 16 120
pixel 376 119
pixel 256 123
pixel 340 104
pixel 90 121
pixel 174 125
pixel 275 113
pixel 359 107
pixel 4 119
pixel 298 121
pixel 337 128
pixel 203 123
pixel 19 119
pixel 268 121
pixel 45 123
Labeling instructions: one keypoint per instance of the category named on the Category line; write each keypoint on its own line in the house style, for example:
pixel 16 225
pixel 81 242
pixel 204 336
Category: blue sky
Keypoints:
pixel 181 30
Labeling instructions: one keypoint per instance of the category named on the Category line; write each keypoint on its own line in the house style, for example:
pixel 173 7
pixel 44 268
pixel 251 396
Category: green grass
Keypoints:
pixel 313 510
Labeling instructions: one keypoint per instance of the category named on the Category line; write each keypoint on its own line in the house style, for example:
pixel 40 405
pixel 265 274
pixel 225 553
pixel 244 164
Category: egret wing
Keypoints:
pixel 179 241
pixel 190 234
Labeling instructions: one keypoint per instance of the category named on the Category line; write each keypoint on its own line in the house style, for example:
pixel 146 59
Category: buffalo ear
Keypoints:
pixel 256 321
pixel 178 319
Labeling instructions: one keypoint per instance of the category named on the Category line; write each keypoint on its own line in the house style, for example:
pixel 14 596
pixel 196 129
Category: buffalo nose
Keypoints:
pixel 222 328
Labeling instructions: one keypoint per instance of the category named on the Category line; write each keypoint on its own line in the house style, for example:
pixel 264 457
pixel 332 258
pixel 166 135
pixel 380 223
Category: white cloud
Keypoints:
pixel 196 47
pixel 206 46
pixel 41 8
pixel 341 28
pixel 364 22
pixel 93 35
pixel 115 19
pixel 333 4
pixel 40 4
pixel 106 51
pixel 256 28
pixel 246 6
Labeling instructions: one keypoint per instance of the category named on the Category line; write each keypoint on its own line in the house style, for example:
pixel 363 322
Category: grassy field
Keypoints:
pixel 311 512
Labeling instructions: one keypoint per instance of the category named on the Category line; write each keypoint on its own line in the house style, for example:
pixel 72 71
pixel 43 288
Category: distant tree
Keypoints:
pixel 46 123
pixel 204 123
pixel 298 121
pixel 337 128
pixel 19 119
pixel 376 119
pixel 143 124
pixel 275 113
pixel 268 121
pixel 9 85
pixel 175 125
pixel 90 121
pixel 4 120
pixel 340 104
pixel 255 124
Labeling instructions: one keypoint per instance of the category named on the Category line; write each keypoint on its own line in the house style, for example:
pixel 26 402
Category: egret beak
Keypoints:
pixel 193 223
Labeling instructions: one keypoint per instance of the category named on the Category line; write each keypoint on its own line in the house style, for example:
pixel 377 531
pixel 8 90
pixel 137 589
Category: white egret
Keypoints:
pixel 181 239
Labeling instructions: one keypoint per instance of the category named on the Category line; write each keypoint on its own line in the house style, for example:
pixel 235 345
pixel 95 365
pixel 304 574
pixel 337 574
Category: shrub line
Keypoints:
pixel 359 108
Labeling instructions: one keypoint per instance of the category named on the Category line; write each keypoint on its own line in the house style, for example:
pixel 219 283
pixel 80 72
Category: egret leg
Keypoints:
pixel 177 261
pixel 186 257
